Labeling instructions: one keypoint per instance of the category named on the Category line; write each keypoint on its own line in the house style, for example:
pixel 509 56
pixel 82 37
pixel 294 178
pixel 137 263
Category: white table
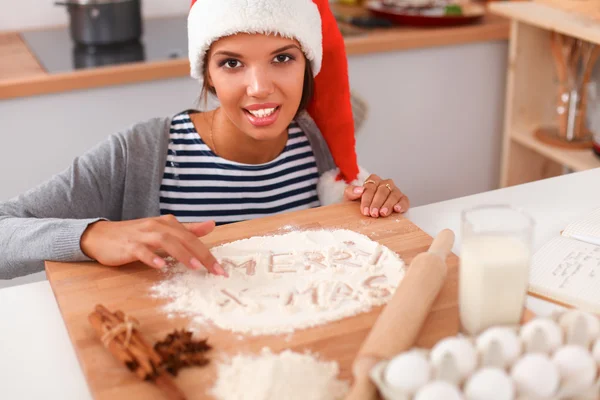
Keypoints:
pixel 37 360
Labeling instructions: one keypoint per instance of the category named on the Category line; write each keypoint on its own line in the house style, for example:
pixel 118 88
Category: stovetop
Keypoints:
pixel 163 39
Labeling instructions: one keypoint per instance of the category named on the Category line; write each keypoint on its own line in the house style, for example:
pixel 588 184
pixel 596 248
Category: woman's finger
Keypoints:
pixel 403 205
pixel 352 193
pixel 195 246
pixel 173 246
pixel 384 190
pixel 148 257
pixel 388 207
pixel 200 228
pixel 370 186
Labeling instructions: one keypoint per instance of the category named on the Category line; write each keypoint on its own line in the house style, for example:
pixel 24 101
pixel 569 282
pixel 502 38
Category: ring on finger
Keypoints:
pixel 387 185
pixel 370 181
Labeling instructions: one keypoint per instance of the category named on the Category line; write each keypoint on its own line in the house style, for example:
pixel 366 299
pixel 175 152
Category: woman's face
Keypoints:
pixel 258 80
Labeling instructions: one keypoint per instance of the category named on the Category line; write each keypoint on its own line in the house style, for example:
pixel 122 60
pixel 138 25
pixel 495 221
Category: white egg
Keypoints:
pixel 507 339
pixel 596 352
pixel 408 371
pixel 461 350
pixel 568 319
pixel 490 384
pixel 577 369
pixel 552 335
pixel 535 375
pixel 438 390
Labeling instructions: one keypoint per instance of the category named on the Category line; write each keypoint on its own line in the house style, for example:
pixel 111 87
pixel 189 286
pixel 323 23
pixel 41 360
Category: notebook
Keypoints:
pixel 566 270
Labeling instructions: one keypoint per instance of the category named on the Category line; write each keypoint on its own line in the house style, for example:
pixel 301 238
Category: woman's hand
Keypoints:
pixel 378 197
pixel 119 243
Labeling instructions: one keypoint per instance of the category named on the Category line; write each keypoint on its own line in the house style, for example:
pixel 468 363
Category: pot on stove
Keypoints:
pixel 104 22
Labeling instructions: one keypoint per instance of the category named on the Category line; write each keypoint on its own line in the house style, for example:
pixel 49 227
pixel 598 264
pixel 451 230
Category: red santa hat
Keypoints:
pixel 324 48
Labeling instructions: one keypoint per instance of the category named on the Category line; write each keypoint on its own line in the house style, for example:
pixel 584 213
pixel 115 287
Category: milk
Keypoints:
pixel 493 280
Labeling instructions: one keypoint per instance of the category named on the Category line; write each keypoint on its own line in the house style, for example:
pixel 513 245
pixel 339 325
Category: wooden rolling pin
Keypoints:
pixel 401 320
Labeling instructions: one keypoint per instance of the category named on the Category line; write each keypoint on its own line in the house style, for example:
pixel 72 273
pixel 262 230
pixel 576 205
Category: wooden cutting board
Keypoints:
pixel 78 287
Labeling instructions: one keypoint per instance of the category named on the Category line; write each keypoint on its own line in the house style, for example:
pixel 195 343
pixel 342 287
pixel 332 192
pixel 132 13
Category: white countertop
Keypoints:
pixel 37 360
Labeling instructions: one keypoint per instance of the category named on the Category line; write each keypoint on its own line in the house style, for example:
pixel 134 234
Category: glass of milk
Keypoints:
pixel 494 266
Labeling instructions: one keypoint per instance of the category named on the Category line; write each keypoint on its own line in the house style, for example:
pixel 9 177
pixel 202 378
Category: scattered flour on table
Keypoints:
pixel 281 283
pixel 284 376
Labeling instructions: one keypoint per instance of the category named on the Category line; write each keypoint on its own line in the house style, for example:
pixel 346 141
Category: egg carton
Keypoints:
pixel 548 358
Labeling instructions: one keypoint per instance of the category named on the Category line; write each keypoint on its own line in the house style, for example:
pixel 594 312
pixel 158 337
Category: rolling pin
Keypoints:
pixel 401 320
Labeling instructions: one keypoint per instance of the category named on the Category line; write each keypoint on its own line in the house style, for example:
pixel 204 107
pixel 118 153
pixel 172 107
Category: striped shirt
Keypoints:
pixel 198 185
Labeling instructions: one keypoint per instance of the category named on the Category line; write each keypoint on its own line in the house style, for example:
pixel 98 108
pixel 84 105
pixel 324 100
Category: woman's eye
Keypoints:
pixel 232 64
pixel 282 58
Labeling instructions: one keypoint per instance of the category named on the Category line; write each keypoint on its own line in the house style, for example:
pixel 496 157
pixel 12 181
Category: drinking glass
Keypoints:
pixel 494 266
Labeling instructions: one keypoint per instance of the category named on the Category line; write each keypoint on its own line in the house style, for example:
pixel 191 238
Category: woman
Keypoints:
pixel 165 182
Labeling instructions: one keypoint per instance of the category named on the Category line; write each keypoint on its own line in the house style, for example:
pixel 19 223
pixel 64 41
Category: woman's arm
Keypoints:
pixel 46 222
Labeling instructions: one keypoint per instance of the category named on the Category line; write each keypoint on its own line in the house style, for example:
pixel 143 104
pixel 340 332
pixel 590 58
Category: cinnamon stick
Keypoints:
pixel 154 356
pixel 144 361
pixel 120 353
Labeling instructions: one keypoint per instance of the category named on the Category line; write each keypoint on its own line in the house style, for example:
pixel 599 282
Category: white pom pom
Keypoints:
pixel 331 191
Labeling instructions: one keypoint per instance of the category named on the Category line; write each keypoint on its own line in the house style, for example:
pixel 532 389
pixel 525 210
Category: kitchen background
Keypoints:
pixel 434 122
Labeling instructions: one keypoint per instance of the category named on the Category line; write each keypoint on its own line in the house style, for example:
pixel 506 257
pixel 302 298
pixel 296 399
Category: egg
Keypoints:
pixel 438 390
pixel 508 341
pixel 596 351
pixel 577 369
pixel 408 371
pixel 536 376
pixel 490 384
pixel 461 350
pixel 541 335
pixel 568 321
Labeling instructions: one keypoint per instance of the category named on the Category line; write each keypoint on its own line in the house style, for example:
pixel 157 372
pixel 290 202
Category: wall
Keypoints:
pixel 435 119
pixel 33 14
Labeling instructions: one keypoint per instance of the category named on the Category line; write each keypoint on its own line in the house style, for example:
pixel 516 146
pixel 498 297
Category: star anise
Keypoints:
pixel 179 350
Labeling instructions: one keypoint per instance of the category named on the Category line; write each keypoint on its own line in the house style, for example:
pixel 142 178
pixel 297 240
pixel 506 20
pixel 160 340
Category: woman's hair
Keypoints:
pixel 308 87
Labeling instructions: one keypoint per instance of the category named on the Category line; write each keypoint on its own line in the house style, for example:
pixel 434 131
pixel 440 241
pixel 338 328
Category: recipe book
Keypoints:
pixel 567 269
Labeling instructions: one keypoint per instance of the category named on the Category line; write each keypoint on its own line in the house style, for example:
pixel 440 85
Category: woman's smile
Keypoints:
pixel 261 115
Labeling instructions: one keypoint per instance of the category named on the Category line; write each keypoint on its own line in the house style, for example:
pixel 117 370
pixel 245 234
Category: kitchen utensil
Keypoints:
pixel 103 22
pixel 78 287
pixel 574 60
pixel 401 320
pixel 472 13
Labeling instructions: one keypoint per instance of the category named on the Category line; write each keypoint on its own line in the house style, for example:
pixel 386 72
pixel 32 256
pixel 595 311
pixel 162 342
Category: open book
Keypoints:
pixel 566 270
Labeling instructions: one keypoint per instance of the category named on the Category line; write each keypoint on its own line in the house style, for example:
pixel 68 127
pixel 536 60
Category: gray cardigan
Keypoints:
pixel 117 180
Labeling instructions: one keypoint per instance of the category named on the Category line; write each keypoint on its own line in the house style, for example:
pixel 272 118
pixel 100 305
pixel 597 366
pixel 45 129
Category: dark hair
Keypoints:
pixel 308 87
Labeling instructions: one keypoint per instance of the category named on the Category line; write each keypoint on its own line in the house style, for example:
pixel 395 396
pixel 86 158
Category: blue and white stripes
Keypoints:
pixel 198 185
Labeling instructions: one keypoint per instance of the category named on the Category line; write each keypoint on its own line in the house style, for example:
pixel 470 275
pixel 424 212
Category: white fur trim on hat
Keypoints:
pixel 210 20
pixel 331 191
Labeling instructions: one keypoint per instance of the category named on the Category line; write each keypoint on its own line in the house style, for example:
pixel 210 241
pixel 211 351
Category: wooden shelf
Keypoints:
pixel 577 160
pixel 549 18
pixel 532 89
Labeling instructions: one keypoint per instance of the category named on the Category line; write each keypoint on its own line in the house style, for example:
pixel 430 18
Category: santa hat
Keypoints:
pixel 330 107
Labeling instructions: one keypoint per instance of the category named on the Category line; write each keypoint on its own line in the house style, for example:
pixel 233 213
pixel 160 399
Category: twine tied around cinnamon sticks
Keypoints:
pixel 126 327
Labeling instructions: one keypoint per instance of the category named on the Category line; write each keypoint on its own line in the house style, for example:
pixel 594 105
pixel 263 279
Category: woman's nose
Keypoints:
pixel 260 84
